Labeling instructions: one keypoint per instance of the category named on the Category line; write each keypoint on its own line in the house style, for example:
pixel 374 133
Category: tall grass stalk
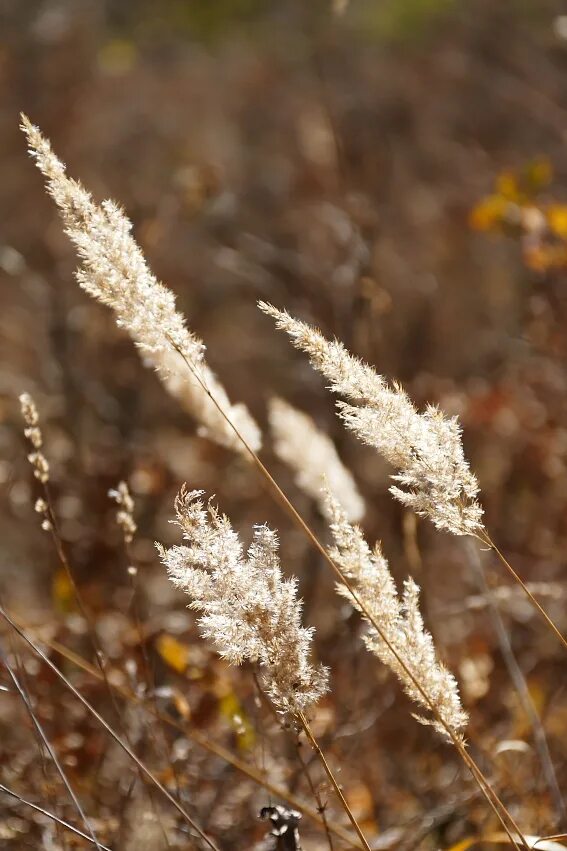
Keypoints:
pixel 127 750
pixel 45 508
pixel 519 683
pixel 433 476
pixel 114 272
pixel 250 612
pixel 493 800
pixel 195 735
pixel 59 822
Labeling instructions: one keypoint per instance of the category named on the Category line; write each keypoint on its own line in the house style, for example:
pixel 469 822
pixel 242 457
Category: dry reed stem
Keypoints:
pixel 114 272
pixel 49 748
pixel 486 539
pixel 202 741
pixel 125 521
pixel 51 526
pixel 111 216
pixel 249 611
pixel 58 821
pixel 315 745
pixel 49 790
pixel 321 807
pixel 519 683
pixel 490 795
pixel 400 616
pixel 426 448
pixel 129 752
pixel 304 767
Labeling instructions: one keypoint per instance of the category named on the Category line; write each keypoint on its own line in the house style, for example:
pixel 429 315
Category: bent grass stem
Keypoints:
pixel 486 539
pixel 130 753
pixel 201 740
pixel 490 795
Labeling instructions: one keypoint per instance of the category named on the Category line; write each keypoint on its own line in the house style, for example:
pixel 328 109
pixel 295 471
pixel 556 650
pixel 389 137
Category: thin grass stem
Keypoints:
pixel 59 821
pixel 486 539
pixel 49 747
pixel 321 756
pixel 212 747
pixel 492 798
pixel 519 683
pixel 130 753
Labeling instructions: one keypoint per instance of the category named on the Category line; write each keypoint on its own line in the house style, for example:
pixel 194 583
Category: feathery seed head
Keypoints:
pixel 248 610
pixel 114 271
pixel 400 622
pixel 312 456
pixel 33 433
pixel 125 514
pixel 434 477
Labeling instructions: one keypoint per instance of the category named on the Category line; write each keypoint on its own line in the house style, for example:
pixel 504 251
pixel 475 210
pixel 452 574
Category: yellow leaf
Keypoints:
pixel 541 257
pixel 173 652
pixel 507 186
pixel 557 220
pixel 181 704
pixel 463 844
pixel 117 56
pixel 62 591
pixel 231 708
pixel 539 173
pixel 489 213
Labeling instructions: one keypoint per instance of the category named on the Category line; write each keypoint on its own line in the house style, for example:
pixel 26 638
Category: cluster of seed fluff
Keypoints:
pixel 115 273
pixel 248 610
pixel 32 431
pixel 434 478
pixel 125 514
pixel 400 622
pixel 312 456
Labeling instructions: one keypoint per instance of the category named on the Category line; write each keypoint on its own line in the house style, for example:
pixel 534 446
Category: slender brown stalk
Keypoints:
pixel 315 745
pixel 49 748
pixel 486 539
pixel 492 798
pixel 50 791
pixel 321 807
pixel 202 741
pixel 132 572
pixel 53 526
pixel 305 768
pixel 150 690
pixel 130 753
pixel 519 682
pixel 44 507
pixel 59 821
pixel 50 524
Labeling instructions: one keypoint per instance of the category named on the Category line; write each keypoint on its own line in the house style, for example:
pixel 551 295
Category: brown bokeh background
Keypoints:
pixel 327 163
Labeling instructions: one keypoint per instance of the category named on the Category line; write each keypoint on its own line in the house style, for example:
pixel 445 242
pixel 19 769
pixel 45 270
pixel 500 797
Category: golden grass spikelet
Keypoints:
pixel 32 431
pixel 248 610
pixel 125 514
pixel 400 621
pixel 434 478
pixel 114 272
pixel 312 456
